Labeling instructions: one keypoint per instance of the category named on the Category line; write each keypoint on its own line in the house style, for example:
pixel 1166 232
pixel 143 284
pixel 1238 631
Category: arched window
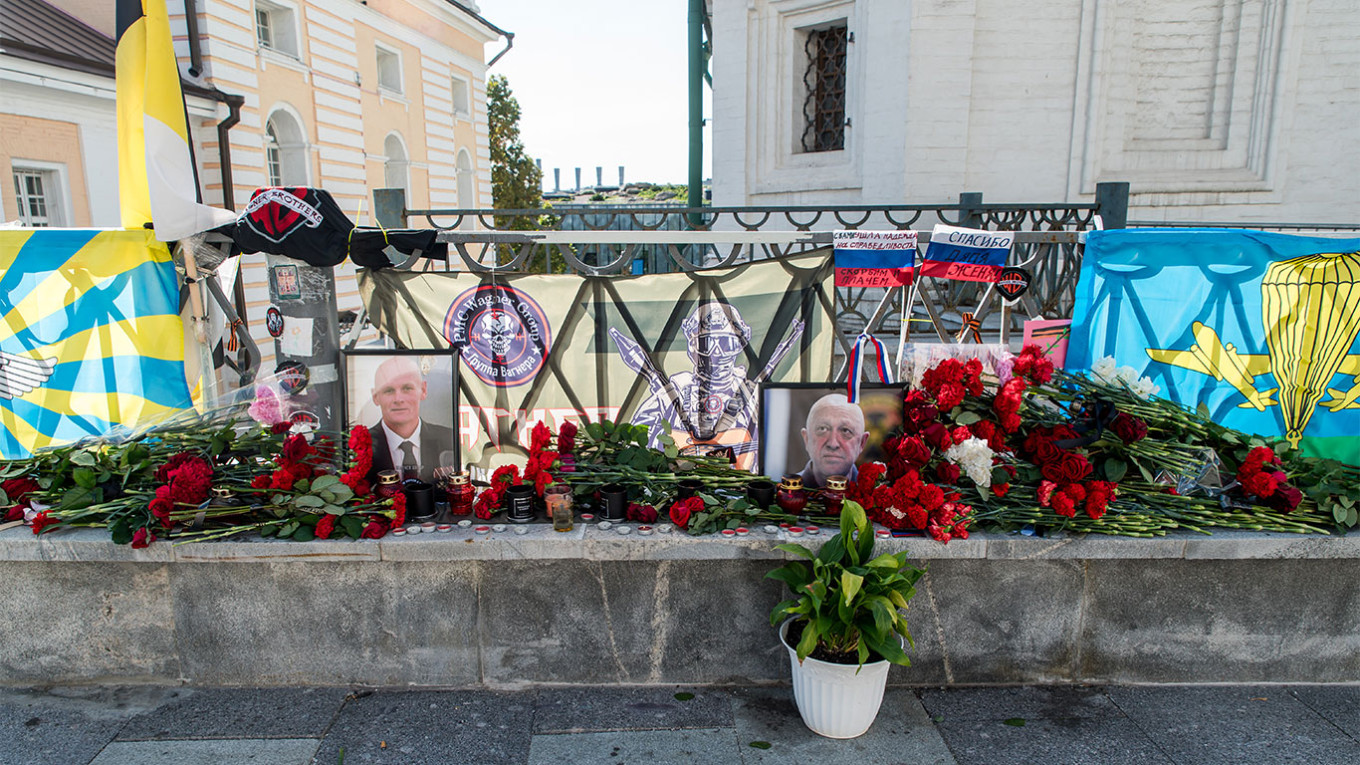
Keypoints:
pixel 466 200
pixel 285 150
pixel 396 173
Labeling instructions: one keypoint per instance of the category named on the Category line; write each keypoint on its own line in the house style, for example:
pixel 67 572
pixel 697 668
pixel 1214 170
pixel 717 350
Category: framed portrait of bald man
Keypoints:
pixel 812 429
pixel 406 399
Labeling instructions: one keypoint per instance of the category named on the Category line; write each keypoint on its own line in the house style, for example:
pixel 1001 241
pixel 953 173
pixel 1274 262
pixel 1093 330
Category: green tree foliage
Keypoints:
pixel 516 182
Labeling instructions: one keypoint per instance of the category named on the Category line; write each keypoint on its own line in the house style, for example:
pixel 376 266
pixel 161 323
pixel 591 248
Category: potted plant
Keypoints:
pixel 845 625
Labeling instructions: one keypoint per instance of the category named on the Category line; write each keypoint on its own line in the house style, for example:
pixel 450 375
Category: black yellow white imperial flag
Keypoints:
pixel 155 168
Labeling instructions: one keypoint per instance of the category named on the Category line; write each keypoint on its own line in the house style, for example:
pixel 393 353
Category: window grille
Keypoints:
pixel 272 158
pixel 35 192
pixel 824 80
pixel 264 28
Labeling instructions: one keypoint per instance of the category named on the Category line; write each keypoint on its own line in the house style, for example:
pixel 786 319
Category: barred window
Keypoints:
pixel 824 81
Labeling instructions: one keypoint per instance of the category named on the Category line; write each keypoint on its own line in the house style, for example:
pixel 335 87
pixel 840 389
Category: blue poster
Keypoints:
pixel 1262 329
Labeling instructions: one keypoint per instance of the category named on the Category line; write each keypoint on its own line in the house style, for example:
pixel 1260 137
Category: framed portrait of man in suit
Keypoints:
pixel 406 399
pixel 811 429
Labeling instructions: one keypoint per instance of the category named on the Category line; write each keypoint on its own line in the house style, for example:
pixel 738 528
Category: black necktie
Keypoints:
pixel 408 458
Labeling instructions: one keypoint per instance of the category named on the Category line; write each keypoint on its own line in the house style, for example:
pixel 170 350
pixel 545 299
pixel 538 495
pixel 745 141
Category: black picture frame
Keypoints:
pixel 358 369
pixel 784 408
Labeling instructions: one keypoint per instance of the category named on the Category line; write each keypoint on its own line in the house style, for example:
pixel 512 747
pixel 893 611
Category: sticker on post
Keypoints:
pixel 273 321
pixel 297 337
pixel 292 375
pixel 1013 283
pixel 286 282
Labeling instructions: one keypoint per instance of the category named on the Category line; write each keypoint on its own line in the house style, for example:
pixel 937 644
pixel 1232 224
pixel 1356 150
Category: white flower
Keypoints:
pixel 975 457
pixel 1104 369
pixel 1127 375
pixel 1144 389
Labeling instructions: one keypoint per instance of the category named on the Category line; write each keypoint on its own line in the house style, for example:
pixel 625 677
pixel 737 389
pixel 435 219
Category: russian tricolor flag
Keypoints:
pixel 967 254
pixel 874 258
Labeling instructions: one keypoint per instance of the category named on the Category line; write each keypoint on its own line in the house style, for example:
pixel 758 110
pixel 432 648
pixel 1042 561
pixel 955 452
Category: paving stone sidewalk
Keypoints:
pixel 140 725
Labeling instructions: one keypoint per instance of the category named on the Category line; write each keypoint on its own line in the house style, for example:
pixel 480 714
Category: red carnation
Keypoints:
pixel 295 448
pixel 398 508
pixel 1033 365
pixel 280 427
pixel 1046 489
pixel 142 537
pixel 1063 505
pixel 325 526
pixel 1000 489
pixel 947 472
pixel 374 530
pixel 43 520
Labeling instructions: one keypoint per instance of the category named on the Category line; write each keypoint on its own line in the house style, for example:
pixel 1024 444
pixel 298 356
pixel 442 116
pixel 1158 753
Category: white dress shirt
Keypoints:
pixel 394 442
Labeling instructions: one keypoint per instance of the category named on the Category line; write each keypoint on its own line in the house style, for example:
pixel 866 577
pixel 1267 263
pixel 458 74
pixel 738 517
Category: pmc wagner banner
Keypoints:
pixel 1261 329
pixel 685 350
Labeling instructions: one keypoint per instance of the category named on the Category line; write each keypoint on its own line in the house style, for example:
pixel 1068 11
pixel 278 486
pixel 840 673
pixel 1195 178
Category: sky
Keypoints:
pixel 600 83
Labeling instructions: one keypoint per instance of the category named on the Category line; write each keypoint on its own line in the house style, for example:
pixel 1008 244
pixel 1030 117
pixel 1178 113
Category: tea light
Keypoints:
pixel 398 532
pixel 464 523
pixel 644 531
pixel 795 531
pixel 604 525
pixel 428 527
pixel 742 531
pixel 783 525
pixel 521 530
pixel 498 528
pixel 587 517
pixel 665 528
pixel 729 533
pixel 444 528
pixel 883 534
pixel 413 529
pixel 624 530
pixel 483 529
pixel 771 529
pixel 812 531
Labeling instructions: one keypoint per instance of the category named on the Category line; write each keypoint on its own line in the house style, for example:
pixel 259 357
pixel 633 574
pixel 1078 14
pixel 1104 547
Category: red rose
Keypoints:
pixel 938 436
pixel 1285 499
pixel 374 530
pixel 280 427
pixel 295 448
pixel 641 513
pixel 325 526
pixel 1000 489
pixel 1130 429
pixel 18 489
pixel 1070 468
pixel 913 451
pixel 161 508
pixel 14 513
pixel 682 509
pixel 947 472
pixel 142 537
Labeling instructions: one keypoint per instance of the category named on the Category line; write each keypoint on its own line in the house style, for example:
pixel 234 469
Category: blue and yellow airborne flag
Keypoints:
pixel 156 180
pixel 1261 329
pixel 91 335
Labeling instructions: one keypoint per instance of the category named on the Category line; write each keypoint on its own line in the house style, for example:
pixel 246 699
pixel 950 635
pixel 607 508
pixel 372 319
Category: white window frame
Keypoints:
pixel 457 81
pixel 295 152
pixel 387 52
pixel 283 28
pixel 394 165
pixel 56 194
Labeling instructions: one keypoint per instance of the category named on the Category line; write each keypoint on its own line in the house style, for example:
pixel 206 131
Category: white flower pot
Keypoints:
pixel 834 700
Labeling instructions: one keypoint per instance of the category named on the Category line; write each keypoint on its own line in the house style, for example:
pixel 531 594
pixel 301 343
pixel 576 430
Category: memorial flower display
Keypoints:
pixel 1026 447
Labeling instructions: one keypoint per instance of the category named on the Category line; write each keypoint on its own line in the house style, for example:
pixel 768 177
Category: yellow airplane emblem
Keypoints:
pixel 1310 306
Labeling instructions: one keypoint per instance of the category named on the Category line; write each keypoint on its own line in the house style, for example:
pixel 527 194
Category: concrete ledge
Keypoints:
pixel 597 607
pixel 590 543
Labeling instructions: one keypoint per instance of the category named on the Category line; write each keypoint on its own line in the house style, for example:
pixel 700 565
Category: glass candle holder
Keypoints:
pixel 460 494
pixel 519 503
pixel 560 503
pixel 388 484
pixel 833 496
pixel 791 497
pixel 614 501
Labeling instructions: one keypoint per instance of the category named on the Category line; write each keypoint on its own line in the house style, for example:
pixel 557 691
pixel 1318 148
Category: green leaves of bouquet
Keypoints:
pixel 850 602
pixel 323 494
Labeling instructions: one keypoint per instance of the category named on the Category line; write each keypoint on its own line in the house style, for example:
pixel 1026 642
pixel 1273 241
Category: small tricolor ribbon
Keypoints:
pixel 857 364
pixel 972 325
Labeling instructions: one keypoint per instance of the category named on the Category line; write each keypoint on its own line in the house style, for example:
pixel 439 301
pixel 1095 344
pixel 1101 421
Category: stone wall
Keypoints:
pixel 595 607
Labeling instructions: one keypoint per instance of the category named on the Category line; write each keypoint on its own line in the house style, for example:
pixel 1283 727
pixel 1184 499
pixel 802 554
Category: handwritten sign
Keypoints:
pixel 967 254
pixel 874 258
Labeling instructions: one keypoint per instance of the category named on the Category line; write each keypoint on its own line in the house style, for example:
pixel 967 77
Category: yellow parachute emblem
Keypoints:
pixel 1310 307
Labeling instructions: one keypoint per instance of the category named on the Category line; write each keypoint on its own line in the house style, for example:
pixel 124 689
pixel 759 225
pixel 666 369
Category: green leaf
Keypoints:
pixel 304 533
pixel 1339 513
pixel 353 524
pixel 1203 411
pixel 287 529
pixel 595 431
pixel 795 549
pixel 1147 474
pixel 760 744
pixel 308 500
pixel 1352 517
pixel 967 418
pixel 795 575
pixel 683 696
pixel 888 560
pixel 120 532
pixel 1019 722
pixel 809 640
pixel 84 477
pixel 323 482
pixel 1115 469
pixel 83 458
pixel 333 510
pixel 850 584
pixel 833 551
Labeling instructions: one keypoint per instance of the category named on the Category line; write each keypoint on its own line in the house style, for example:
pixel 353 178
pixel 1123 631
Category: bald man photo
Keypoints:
pixel 833 438
pixel 402 436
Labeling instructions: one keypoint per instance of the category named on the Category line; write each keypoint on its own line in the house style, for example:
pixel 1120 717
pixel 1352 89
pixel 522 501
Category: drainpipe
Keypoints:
pixel 191 24
pixel 509 43
pixel 697 66
pixel 234 103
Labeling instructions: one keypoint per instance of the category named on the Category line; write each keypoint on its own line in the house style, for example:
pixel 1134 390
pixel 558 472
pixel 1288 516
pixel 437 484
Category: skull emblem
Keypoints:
pixel 498 331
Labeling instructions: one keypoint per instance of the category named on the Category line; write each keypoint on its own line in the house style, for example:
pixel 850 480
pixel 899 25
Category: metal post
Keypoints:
pixel 599 176
pixel 620 176
pixel 1112 203
pixel 389 207
pixel 557 179
pixel 971 218
pixel 697 66
pixel 578 180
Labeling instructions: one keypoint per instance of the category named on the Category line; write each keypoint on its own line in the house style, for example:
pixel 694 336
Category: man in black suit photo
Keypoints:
pixel 403 437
